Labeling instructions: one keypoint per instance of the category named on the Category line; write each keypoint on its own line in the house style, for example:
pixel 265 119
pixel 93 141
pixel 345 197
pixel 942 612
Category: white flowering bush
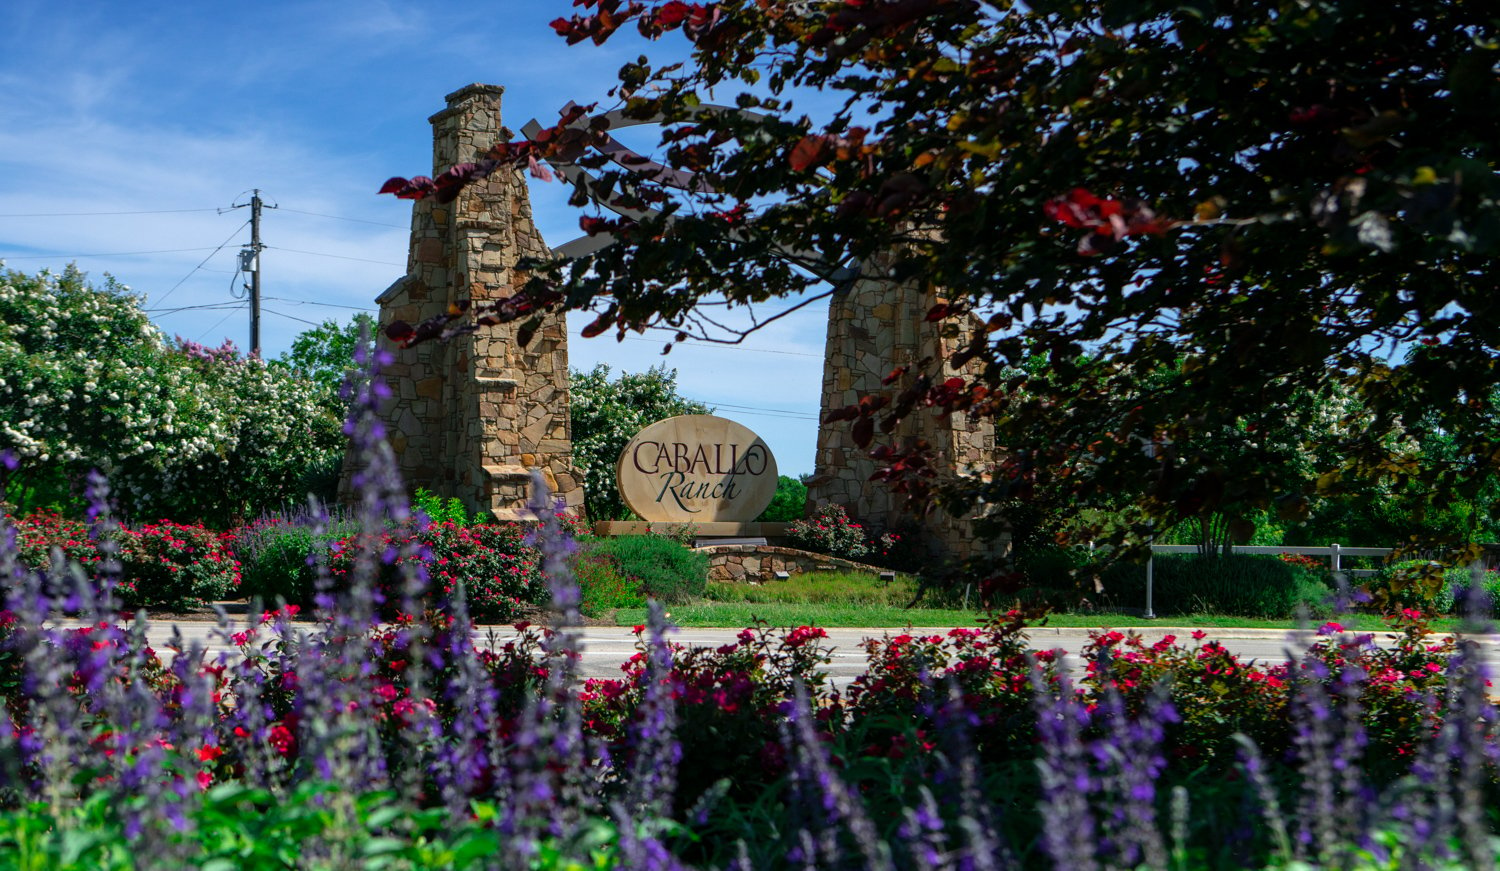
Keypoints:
pixel 183 431
pixel 606 415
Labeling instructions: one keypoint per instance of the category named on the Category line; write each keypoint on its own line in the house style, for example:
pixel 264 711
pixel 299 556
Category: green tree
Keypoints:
pixel 1269 196
pixel 183 430
pixel 788 504
pixel 325 353
pixel 606 415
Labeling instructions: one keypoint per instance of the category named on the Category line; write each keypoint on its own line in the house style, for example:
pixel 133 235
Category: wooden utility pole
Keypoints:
pixel 250 262
pixel 255 273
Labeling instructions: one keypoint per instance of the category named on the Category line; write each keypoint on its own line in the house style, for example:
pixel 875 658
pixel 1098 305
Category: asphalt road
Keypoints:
pixel 604 649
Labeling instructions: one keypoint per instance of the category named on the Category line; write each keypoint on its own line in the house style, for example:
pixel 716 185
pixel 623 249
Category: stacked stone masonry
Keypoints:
pixel 473 417
pixel 760 563
pixel 875 326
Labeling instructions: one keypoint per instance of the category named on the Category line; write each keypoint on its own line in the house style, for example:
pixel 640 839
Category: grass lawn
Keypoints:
pixel 854 600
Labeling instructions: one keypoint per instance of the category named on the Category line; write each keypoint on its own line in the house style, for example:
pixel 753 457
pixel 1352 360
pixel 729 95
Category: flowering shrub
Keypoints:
pixel 1215 695
pixel 39 532
pixel 174 565
pixel 161 565
pixel 729 702
pixel 829 530
pixel 188 432
pixel 498 569
pixel 988 669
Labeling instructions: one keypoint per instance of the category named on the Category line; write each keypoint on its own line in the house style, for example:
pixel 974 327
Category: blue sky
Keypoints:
pixel 171 112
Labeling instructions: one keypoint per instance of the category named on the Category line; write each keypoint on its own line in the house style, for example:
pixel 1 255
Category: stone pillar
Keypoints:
pixel 473 416
pixel 874 326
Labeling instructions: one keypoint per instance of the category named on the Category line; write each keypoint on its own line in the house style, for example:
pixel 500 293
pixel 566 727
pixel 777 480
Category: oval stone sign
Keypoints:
pixel 697 467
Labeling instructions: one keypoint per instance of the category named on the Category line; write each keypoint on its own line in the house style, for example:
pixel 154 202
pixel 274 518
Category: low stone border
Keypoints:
pixel 751 562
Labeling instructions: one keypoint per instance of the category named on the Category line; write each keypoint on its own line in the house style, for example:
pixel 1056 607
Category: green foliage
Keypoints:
pixel 1429 586
pixel 235 826
pixel 440 510
pixel 788 504
pixel 184 431
pixel 601 586
pixel 277 559
pixel 1250 586
pixel 324 354
pixel 657 567
pixel 606 415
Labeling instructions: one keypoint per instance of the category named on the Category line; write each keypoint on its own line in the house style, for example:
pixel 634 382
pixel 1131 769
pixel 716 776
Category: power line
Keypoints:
pixel 110 254
pixel 219 321
pixel 102 214
pixel 768 414
pixel 756 409
pixel 342 218
pixel 290 317
pixel 334 256
pixel 187 308
pixel 200 264
pixel 287 299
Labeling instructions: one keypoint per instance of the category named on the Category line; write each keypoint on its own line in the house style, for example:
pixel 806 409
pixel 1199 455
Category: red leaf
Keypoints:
pixel 399 331
pixel 895 375
pixel 848 412
pixel 813 150
pixel 672 13
pixel 870 404
pixel 863 431
pixel 593 225
pixel 600 324
pixel 943 310
pixel 393 184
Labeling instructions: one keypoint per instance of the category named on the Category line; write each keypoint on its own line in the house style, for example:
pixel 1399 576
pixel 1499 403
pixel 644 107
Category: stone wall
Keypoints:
pixel 760 563
pixel 473 416
pixel 875 326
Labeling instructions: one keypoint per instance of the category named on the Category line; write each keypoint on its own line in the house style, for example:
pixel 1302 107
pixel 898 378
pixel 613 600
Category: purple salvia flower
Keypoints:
pixel 104 532
pixel 1254 767
pixel 1069 830
pixel 831 806
pixel 1474 715
pixel 921 832
pixel 981 847
pixel 653 776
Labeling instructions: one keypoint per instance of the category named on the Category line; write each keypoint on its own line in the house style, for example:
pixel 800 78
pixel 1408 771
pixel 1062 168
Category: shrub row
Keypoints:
pixel 160 565
pixel 1246 586
pixel 175 566
pixel 738 746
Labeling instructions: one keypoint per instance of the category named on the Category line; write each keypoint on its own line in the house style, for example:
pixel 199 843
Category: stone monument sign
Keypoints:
pixel 697 468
